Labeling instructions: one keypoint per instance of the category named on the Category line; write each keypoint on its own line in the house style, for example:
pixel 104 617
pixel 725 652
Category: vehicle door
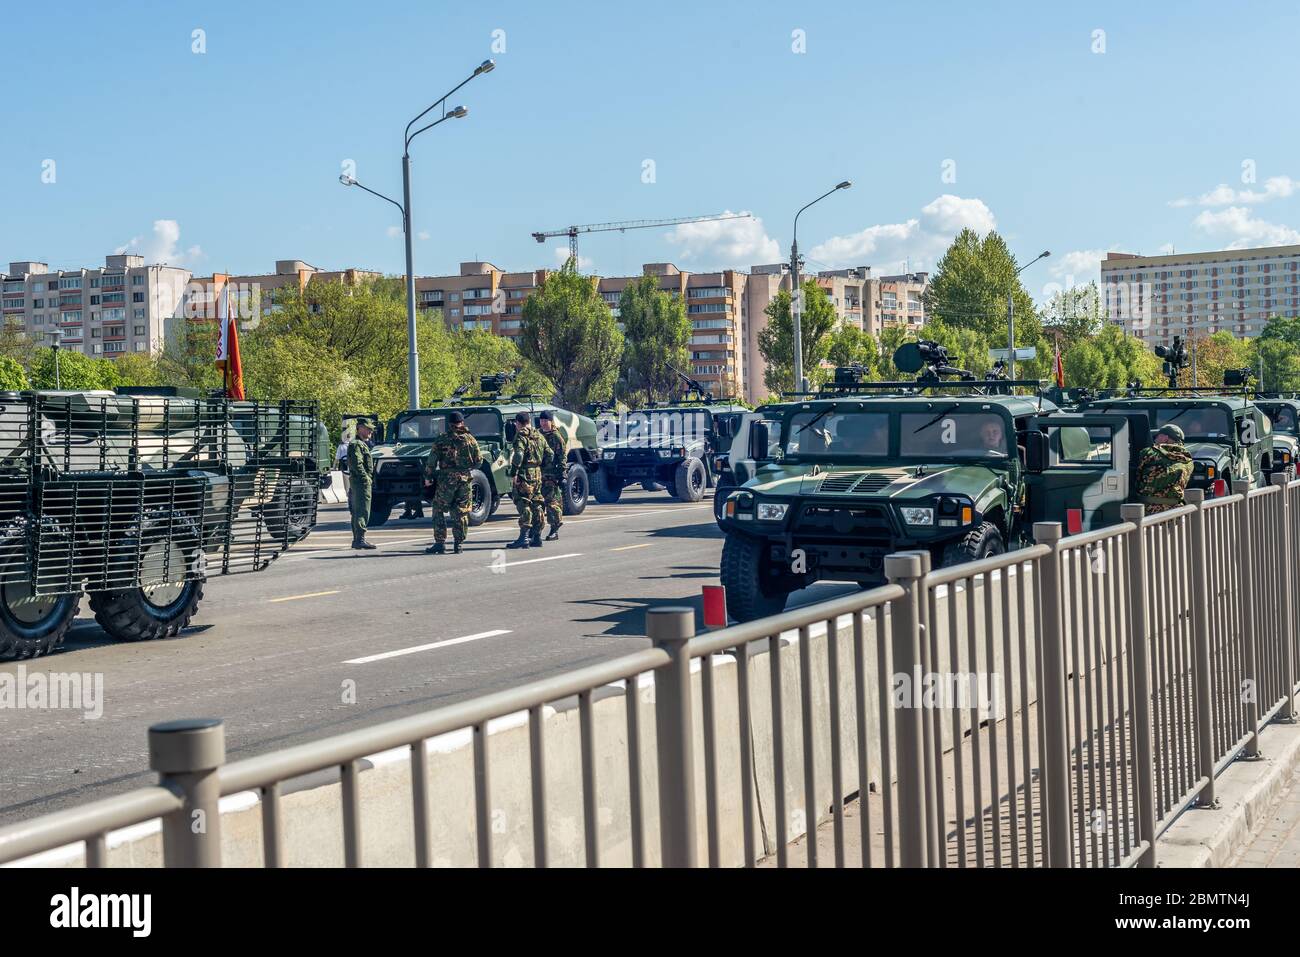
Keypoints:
pixel 1077 469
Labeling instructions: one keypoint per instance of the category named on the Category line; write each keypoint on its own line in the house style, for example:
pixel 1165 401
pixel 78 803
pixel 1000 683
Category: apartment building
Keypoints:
pixel 481 296
pixel 1197 294
pixel 898 300
pixel 122 307
pixel 256 293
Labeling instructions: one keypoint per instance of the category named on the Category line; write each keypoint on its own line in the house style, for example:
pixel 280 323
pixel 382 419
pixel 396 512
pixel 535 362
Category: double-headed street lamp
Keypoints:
pixel 796 301
pixel 1011 314
pixel 413 352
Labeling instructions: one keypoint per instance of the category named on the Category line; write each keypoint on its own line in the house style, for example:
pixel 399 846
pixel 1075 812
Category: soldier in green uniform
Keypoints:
pixel 453 455
pixel 1163 471
pixel 361 475
pixel 553 476
pixel 528 456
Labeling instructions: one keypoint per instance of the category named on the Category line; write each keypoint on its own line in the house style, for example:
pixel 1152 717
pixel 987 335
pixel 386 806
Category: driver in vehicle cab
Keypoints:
pixel 994 436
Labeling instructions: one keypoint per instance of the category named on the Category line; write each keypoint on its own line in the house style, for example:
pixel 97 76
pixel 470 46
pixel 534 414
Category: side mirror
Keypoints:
pixel 1035 451
pixel 379 433
pixel 759 440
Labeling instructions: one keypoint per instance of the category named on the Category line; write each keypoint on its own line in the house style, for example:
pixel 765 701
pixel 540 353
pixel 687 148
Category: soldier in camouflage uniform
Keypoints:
pixel 1163 471
pixel 528 457
pixel 553 476
pixel 361 479
pixel 453 455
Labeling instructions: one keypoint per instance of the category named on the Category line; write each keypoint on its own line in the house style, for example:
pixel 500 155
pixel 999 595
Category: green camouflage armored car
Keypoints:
pixel 401 460
pixel 1284 418
pixel 137 498
pixel 841 480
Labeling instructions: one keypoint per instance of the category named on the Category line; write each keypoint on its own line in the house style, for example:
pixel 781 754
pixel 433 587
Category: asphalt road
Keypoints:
pixel 272 652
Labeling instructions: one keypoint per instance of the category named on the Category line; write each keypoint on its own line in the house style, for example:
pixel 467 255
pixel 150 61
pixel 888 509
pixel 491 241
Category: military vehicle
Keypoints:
pixel 136 498
pixel 674 445
pixel 1283 412
pixel 843 478
pixel 400 463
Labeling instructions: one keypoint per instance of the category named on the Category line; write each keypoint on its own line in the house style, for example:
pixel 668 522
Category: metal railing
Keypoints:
pixel 1109 677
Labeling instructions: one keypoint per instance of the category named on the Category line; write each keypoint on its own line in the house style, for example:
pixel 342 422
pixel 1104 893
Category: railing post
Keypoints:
pixel 1288 602
pixel 670 629
pixel 905 569
pixel 932 747
pixel 1140 658
pixel 1245 576
pixel 1202 702
pixel 1051 698
pixel 187 756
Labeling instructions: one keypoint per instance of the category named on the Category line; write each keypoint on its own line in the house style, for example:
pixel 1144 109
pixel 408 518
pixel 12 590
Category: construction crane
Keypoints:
pixel 572 231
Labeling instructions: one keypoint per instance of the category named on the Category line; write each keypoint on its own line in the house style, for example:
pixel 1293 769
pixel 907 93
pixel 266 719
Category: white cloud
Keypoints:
pixel 1242 229
pixel 1275 187
pixel 916 243
pixel 423 234
pixel 162 245
pixel 393 232
pixel 1079 266
pixel 726 242
pixel 561 254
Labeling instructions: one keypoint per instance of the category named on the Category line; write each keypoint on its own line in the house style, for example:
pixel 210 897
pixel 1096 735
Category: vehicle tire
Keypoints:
pixel 575 490
pixel 742 577
pixel 653 486
pixel 607 488
pixel 690 481
pixel 158 543
pixel 31 625
pixel 979 542
pixel 721 489
pixel 292 511
pixel 480 498
pixel 380 509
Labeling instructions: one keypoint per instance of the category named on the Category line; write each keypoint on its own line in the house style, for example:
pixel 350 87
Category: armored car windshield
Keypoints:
pixel 952 434
pixel 427 426
pixel 1197 422
pixel 832 432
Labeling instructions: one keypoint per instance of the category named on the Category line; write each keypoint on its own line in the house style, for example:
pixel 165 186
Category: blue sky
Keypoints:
pixel 229 159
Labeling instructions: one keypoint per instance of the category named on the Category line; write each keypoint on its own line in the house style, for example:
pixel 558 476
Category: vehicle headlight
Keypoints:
pixel 918 516
pixel 771 511
pixel 607 456
pixel 665 453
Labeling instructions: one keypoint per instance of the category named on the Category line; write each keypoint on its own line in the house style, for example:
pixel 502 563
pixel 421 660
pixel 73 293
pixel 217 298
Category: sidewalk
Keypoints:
pixel 1276 841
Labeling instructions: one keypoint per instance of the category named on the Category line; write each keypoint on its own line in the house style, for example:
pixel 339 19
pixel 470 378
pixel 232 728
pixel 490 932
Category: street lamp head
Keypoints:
pixel 347 180
pixel 1045 254
pixel 487 66
pixel 844 185
pixel 458 112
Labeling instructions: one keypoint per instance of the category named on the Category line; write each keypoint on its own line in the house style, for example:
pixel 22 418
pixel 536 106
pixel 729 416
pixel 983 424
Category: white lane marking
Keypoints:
pixel 624 548
pixel 530 561
pixel 435 644
pixel 313 594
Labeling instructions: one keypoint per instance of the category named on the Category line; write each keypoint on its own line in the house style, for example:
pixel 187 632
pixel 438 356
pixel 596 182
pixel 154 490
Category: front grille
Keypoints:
pixel 853 483
pixel 864 522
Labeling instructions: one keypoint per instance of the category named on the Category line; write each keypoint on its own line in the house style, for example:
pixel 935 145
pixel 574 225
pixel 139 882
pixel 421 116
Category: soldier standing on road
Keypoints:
pixel 361 472
pixel 453 455
pixel 1163 471
pixel 553 476
pixel 528 456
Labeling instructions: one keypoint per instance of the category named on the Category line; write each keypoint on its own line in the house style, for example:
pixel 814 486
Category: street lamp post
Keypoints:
pixel 796 300
pixel 413 351
pixel 1011 314
pixel 55 336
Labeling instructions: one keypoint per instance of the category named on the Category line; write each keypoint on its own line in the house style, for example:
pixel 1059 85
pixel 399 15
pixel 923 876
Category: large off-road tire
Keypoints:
pixel 380 509
pixel 743 576
pixel 480 498
pixel 980 542
pixel 575 490
pixel 724 487
pixel 292 509
pixel 143 614
pixel 607 488
pixel 690 481
pixel 32 625
pixel 159 544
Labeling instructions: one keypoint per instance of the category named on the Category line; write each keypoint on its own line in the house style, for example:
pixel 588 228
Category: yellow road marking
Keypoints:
pixel 624 548
pixel 314 594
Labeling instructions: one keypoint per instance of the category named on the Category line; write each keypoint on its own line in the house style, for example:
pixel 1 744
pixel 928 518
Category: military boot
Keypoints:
pixel 437 548
pixel 362 545
pixel 554 532
pixel 535 538
pixel 456 548
pixel 521 541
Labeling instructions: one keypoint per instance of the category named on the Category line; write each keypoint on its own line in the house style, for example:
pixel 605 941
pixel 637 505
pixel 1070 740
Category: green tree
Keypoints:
pixel 776 340
pixel 891 337
pixel 1277 363
pixel 656 337
pixel 76 371
pixel 969 290
pixel 479 353
pixel 1073 315
pixel 569 334
pixel 1213 356
pixel 851 345
pixel 13 378
pixel 138 368
pixel 1110 360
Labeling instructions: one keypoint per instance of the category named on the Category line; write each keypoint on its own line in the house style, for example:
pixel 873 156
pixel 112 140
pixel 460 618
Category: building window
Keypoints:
pixel 139 313
pixel 139 347
pixel 74 283
pixel 138 330
pixel 137 280
pixel 94 333
pixel 139 297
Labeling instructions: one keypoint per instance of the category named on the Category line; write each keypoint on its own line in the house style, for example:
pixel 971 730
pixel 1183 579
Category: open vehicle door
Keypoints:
pixel 1078 467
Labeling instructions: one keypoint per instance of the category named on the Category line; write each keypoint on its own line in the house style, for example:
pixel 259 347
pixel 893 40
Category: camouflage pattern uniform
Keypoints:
pixel 553 479
pixel 361 474
pixel 1162 474
pixel 528 456
pixel 453 455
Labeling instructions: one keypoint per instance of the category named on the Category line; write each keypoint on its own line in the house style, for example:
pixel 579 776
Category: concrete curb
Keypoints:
pixel 1247 791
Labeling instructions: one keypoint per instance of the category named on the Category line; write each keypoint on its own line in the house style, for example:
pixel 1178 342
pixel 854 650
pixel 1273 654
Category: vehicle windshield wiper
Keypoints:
pixel 815 419
pixel 952 408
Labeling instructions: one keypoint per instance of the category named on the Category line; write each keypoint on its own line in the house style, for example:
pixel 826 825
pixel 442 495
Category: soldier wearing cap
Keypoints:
pixel 529 456
pixel 361 475
pixel 1163 471
pixel 454 454
pixel 553 476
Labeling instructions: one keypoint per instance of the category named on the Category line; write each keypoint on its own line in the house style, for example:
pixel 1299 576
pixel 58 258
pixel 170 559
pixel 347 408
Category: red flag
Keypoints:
pixel 1060 368
pixel 232 370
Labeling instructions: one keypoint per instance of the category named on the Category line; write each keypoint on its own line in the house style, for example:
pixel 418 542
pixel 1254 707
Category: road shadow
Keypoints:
pixel 686 571
pixel 703 530
pixel 625 617
pixel 86 635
